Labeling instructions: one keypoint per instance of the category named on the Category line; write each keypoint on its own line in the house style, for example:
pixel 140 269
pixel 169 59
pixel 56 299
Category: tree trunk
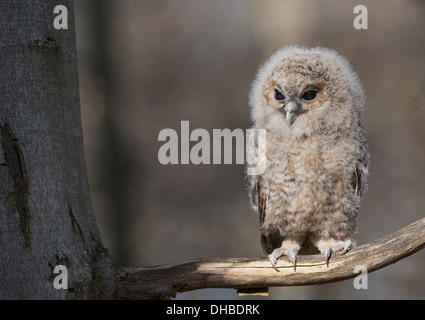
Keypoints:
pixel 46 218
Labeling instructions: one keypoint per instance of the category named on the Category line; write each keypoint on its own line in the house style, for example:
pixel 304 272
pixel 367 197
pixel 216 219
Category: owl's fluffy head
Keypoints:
pixel 298 91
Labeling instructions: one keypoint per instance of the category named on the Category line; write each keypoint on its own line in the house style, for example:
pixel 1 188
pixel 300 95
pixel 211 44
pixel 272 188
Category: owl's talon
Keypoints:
pixel 327 253
pixel 289 248
pixel 292 255
pixel 327 246
pixel 273 261
pixel 274 256
pixel 347 246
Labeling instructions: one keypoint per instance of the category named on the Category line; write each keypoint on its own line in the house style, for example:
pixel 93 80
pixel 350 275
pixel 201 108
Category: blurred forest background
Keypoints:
pixel 148 65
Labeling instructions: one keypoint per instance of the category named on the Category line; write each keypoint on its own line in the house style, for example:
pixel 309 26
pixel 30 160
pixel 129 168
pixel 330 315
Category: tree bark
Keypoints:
pixel 46 218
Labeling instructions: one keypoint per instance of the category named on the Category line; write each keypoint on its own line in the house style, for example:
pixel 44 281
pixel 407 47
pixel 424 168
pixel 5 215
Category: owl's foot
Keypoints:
pixel 290 248
pixel 328 245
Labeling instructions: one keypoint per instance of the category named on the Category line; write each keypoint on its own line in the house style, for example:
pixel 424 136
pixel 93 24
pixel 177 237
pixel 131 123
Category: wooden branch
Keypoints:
pixel 162 282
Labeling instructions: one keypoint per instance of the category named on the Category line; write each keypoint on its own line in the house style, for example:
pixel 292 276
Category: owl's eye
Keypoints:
pixel 278 95
pixel 309 95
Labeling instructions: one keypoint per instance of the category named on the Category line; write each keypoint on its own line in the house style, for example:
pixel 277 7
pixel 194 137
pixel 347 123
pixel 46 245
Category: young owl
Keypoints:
pixel 310 102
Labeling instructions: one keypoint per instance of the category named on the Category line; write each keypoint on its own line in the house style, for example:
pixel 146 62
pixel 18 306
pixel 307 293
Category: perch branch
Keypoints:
pixel 161 282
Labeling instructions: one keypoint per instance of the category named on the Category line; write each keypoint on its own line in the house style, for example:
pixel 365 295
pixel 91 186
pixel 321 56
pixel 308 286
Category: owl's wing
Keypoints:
pixel 260 200
pixel 362 164
pixel 357 179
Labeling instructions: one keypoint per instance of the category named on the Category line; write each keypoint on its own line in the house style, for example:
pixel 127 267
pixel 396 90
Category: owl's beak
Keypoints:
pixel 291 111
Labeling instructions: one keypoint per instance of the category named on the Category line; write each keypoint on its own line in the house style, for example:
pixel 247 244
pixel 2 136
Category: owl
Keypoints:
pixel 310 102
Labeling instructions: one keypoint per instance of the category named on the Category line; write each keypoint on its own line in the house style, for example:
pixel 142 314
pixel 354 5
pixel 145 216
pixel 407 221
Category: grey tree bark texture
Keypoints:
pixel 46 217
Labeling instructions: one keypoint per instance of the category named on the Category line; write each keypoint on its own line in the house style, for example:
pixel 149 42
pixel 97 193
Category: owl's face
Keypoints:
pixel 294 94
pixel 299 91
